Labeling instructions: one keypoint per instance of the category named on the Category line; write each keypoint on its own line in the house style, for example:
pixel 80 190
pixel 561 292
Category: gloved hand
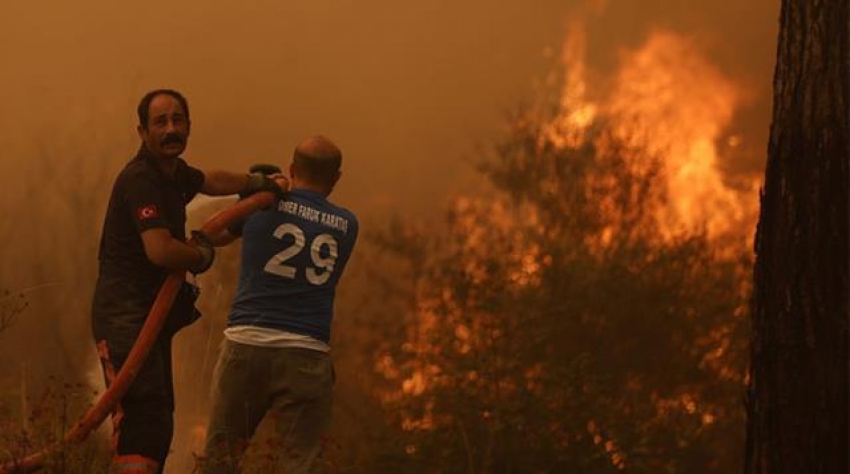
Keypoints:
pixel 206 250
pixel 258 182
pixel 265 169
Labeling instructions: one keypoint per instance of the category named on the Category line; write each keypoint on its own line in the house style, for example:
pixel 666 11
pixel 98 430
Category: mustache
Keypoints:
pixel 172 138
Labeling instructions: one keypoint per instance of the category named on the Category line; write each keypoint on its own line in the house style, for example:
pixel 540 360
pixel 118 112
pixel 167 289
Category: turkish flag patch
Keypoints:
pixel 147 212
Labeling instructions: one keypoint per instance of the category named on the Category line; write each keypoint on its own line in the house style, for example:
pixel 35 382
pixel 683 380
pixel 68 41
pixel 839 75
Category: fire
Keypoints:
pixel 676 104
pixel 670 102
pixel 576 113
pixel 671 108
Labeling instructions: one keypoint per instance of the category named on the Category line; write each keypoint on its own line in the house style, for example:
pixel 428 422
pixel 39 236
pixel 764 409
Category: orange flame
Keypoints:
pixel 671 102
pixel 666 100
pixel 576 113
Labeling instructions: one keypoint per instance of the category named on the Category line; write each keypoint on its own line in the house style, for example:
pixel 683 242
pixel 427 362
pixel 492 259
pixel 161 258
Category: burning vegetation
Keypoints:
pixel 591 314
pixel 586 314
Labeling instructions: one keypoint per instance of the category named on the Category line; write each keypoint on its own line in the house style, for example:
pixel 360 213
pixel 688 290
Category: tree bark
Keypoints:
pixel 797 401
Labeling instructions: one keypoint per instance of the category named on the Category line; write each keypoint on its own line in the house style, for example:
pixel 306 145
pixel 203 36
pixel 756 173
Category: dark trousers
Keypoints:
pixel 143 421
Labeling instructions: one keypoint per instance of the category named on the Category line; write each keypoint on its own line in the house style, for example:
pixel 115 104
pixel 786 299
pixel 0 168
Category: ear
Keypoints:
pixel 140 131
pixel 333 182
pixel 292 171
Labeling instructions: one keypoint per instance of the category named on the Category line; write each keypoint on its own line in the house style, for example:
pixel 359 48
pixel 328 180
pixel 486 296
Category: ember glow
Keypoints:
pixel 666 111
pixel 576 113
pixel 670 102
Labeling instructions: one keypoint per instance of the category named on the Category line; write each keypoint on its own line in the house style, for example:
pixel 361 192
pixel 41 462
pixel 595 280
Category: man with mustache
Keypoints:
pixel 143 239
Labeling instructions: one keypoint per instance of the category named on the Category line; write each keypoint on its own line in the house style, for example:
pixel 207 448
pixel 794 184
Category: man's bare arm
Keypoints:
pixel 163 250
pixel 223 183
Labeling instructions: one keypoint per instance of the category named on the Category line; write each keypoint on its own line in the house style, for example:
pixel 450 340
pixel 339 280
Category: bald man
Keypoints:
pixel 275 358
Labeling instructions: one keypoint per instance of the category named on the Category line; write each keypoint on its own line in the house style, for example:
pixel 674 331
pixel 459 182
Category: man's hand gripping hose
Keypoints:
pixel 149 333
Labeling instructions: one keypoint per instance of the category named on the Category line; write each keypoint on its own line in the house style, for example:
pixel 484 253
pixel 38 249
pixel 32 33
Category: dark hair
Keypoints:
pixel 321 167
pixel 144 108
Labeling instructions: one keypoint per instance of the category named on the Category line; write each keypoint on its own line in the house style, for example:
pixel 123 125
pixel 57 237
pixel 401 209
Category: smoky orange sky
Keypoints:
pixel 410 90
pixel 406 88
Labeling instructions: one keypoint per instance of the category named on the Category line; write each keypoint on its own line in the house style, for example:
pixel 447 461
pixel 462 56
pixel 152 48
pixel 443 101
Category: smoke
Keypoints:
pixel 407 90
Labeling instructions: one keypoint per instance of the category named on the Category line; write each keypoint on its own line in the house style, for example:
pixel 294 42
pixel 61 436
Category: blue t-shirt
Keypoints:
pixel 293 255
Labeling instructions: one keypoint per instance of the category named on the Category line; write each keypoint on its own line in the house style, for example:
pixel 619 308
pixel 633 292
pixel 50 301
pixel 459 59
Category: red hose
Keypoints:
pixel 148 334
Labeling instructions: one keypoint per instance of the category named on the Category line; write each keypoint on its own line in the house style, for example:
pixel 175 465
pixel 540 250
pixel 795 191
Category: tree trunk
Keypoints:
pixel 797 404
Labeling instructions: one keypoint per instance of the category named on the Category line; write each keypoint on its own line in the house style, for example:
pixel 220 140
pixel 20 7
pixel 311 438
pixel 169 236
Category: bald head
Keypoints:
pixel 320 147
pixel 316 162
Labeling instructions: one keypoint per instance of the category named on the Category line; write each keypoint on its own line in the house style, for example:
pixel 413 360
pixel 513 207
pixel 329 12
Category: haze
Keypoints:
pixel 406 88
pixel 412 91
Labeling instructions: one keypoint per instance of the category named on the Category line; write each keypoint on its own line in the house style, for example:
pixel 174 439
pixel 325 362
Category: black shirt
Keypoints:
pixel 143 197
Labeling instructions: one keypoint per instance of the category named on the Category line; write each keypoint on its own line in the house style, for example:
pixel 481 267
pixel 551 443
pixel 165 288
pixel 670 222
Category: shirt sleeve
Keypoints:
pixel 145 204
pixel 191 180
